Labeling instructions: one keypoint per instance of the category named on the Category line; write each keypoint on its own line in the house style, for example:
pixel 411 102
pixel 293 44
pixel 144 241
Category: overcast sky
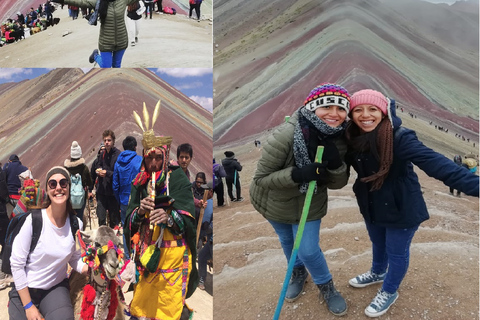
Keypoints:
pixel 195 83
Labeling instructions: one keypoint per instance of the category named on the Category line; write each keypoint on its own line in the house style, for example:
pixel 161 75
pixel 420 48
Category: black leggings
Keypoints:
pixel 149 5
pixel 53 303
pixel 197 9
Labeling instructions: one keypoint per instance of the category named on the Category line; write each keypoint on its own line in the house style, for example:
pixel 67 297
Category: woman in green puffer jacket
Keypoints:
pixel 113 40
pixel 280 184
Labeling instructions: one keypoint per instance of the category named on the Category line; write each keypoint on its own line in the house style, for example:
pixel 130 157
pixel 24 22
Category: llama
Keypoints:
pixel 99 286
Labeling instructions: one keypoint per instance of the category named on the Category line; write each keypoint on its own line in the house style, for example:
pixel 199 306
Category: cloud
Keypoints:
pixel 205 102
pixel 9 73
pixel 190 85
pixel 185 72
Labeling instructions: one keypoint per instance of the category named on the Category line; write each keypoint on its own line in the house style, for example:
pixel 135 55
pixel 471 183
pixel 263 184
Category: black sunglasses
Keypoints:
pixel 52 184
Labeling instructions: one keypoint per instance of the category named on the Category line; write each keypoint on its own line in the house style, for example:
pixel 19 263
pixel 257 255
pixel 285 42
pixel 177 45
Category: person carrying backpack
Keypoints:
pixel 41 285
pixel 387 190
pixel 12 169
pixel 232 167
pixel 81 179
pixel 113 38
pixel 218 174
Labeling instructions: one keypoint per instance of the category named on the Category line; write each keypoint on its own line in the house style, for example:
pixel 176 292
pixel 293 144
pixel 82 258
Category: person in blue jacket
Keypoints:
pixel 387 189
pixel 126 169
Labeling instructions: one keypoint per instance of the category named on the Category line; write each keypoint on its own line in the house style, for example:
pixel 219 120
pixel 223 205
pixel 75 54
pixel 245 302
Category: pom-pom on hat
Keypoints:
pixel 75 151
pixel 370 97
pixel 328 94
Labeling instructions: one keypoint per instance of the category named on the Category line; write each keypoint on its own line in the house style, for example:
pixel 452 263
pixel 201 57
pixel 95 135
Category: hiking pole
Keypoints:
pixel 234 188
pixel 298 237
pixel 89 214
pixel 200 218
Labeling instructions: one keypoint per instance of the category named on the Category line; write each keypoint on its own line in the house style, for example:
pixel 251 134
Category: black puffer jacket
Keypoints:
pixel 231 165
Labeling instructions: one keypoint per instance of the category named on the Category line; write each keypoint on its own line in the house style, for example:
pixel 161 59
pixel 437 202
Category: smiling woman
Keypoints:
pixel 41 287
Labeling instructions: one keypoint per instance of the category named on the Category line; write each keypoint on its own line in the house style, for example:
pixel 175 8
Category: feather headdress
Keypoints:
pixel 149 140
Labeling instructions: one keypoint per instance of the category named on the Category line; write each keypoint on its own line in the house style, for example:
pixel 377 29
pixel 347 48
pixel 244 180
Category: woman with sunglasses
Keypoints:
pixel 41 285
pixel 197 189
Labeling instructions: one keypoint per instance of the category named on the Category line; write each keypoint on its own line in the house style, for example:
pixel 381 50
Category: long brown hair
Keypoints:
pixel 379 142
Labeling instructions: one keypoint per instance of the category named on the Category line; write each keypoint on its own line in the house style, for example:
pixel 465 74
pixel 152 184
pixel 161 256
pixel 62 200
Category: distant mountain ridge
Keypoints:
pixel 270 54
pixel 42 116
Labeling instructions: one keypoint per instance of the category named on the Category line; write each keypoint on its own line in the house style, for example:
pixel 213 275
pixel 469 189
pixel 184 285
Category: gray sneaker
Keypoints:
pixel 335 302
pixel 296 284
pixel 366 279
pixel 381 303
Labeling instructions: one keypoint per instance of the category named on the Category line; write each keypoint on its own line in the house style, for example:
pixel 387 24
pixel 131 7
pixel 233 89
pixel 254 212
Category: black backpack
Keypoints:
pixel 37 222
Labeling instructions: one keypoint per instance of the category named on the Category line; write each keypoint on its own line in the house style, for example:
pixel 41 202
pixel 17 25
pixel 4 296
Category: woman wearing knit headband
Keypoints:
pixel 41 284
pixel 280 184
pixel 387 189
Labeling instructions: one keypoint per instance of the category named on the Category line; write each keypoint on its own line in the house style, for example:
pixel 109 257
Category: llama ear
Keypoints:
pixel 88 239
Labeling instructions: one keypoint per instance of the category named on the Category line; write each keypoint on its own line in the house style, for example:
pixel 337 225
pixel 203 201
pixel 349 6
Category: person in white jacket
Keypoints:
pixel 41 285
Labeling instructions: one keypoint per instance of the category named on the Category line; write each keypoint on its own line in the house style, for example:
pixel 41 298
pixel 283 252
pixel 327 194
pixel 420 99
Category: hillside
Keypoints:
pixel 270 54
pixel 42 116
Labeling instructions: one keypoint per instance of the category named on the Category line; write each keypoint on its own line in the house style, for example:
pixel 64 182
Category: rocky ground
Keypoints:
pixel 442 281
pixel 201 301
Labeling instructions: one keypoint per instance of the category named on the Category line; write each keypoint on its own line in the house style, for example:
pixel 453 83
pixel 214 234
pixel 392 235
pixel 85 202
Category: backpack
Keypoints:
pixel 169 10
pixel 77 193
pixel 218 174
pixel 37 223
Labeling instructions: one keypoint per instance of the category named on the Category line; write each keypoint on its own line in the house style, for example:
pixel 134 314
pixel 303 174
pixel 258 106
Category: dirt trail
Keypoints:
pixel 441 283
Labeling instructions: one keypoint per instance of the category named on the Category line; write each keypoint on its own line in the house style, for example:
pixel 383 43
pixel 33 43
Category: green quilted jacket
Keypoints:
pixel 274 194
pixel 113 33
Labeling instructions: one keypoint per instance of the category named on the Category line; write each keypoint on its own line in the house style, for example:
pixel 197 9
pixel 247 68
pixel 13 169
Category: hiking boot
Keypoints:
pixel 380 304
pixel 132 43
pixel 296 284
pixel 240 199
pixel 136 39
pixel 366 279
pixel 233 200
pixel 335 302
pixel 91 59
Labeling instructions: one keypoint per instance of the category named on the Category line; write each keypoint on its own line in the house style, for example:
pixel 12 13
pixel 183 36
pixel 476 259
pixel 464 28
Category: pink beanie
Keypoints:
pixel 371 97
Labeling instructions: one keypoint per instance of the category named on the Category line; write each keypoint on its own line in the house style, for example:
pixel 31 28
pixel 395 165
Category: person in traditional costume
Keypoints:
pixel 160 227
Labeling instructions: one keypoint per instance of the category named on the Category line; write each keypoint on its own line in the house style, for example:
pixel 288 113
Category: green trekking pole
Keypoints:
pixel 298 237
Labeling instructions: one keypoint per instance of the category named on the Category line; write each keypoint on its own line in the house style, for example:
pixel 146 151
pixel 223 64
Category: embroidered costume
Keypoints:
pixel 164 255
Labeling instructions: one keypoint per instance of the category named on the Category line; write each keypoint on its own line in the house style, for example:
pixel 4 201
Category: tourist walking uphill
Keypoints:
pixel 383 153
pixel 280 183
pixel 113 39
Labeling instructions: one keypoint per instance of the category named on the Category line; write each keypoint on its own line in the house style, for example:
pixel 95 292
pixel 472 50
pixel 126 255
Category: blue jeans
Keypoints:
pixel 309 253
pixel 390 248
pixel 123 215
pixel 111 59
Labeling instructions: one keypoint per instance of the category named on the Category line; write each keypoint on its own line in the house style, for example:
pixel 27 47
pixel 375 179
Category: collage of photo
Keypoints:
pixel 342 136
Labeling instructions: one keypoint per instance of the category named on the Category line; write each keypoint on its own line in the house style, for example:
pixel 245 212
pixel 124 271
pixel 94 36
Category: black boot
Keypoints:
pixel 296 284
pixel 335 302
pixel 91 59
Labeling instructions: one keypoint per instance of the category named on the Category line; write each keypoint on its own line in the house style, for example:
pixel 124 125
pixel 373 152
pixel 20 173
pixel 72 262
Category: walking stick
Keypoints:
pixel 234 188
pixel 298 238
pixel 225 191
pixel 200 218
pixel 89 214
